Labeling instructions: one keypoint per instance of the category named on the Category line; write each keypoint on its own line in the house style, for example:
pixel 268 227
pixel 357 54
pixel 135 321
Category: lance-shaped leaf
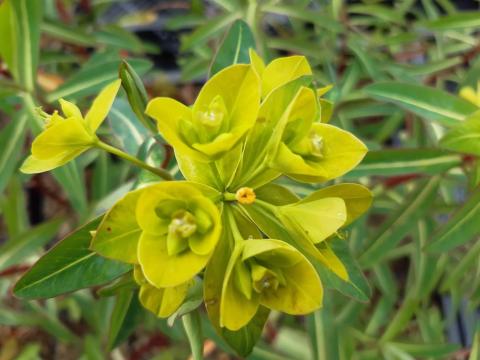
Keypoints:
pixel 398 225
pixel 461 228
pixel 430 103
pixel 235 47
pixel 69 266
pixel 391 162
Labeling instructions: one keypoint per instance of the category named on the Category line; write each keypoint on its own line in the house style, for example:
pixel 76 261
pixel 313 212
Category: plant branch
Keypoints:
pixel 164 174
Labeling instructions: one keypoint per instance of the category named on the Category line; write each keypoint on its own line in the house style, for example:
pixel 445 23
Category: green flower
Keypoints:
pixel 270 273
pixel 225 109
pixel 66 137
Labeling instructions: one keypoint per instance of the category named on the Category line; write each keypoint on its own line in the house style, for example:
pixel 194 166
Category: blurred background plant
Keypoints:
pixel 405 77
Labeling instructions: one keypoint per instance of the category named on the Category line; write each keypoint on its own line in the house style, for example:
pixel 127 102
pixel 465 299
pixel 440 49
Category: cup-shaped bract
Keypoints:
pixel 270 273
pixel 180 229
pixel 312 151
pixel 162 302
pixel 225 109
pixel 319 218
pixel 66 137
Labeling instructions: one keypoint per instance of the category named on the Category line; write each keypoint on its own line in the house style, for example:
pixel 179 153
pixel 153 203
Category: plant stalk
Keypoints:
pixel 164 174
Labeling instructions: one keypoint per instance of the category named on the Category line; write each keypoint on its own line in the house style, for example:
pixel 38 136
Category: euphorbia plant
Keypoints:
pixel 254 245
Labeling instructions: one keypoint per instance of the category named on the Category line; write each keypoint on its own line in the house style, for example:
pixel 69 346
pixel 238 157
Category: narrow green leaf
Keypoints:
pixel 73 184
pixel 208 30
pixel 19 248
pixel 475 352
pixel 430 103
pixel 357 287
pixel 8 50
pixel 400 320
pixel 461 20
pixel 323 333
pixel 400 222
pixel 427 350
pixel 93 76
pixel 314 16
pixel 464 266
pixel 28 16
pixel 126 128
pixel 394 162
pixel 235 46
pixel 125 316
pixel 12 138
pixel 67 267
pixel 461 228
pixel 73 35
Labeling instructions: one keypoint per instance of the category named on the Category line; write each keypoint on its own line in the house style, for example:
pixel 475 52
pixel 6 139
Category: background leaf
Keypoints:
pixel 235 46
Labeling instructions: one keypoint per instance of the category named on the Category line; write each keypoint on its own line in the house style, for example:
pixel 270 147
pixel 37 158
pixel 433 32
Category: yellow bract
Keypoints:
pixel 280 71
pixel 180 229
pixel 270 273
pixel 66 137
pixel 224 111
pixel 163 302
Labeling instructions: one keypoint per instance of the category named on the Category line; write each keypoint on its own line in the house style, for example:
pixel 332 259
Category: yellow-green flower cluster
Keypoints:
pixel 254 244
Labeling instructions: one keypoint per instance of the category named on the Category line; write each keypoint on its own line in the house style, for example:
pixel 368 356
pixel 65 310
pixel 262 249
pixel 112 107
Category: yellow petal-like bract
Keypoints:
pixel 66 137
pixel 269 273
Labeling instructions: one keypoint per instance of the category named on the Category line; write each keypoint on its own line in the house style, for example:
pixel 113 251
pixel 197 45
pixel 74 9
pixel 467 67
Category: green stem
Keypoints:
pixel 228 196
pixel 193 327
pixel 112 150
pixel 35 122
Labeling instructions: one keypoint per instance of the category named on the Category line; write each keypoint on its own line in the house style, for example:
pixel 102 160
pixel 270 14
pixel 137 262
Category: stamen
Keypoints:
pixel 316 143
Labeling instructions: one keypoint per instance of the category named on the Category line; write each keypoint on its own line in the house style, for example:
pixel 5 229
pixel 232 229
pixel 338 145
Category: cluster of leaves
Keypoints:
pixel 396 70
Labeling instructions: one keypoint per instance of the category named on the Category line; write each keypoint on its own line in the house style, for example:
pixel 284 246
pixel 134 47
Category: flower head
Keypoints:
pixel 65 137
pixel 225 109
pixel 180 229
pixel 270 273
pixel 309 150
